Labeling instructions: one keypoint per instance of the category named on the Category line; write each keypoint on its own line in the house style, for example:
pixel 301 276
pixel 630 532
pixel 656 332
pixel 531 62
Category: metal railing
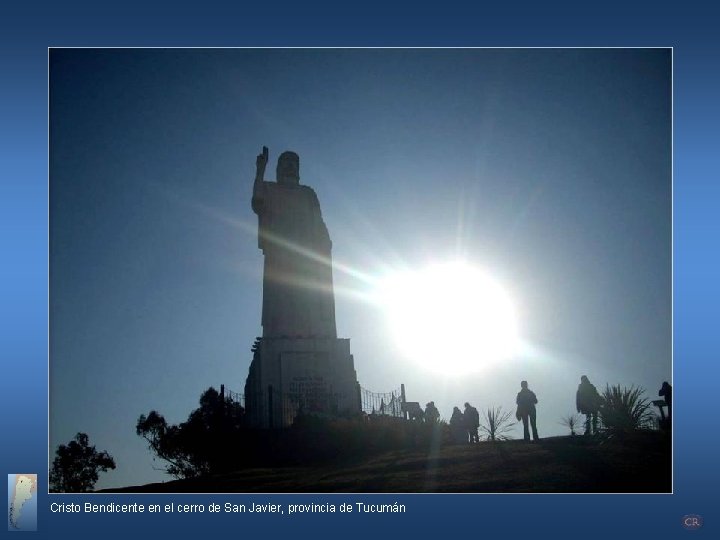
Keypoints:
pixel 382 403
pixel 284 408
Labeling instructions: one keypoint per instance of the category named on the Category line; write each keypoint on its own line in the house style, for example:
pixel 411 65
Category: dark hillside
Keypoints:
pixel 640 463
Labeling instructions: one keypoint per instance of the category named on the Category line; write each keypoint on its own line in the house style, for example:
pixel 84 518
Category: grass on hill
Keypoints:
pixel 638 463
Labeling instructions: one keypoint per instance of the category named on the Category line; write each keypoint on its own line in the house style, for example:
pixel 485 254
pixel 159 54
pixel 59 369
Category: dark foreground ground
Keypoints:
pixel 641 464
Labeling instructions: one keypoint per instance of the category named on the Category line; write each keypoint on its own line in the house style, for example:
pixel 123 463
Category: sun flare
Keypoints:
pixel 451 318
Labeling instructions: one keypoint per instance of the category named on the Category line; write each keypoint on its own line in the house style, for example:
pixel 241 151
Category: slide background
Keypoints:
pixel 26 33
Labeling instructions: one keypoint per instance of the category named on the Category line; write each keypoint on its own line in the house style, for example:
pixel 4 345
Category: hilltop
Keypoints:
pixel 641 463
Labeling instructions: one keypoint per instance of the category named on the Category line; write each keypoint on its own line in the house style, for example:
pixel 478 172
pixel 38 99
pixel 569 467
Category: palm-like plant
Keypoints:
pixel 495 424
pixel 571 421
pixel 624 409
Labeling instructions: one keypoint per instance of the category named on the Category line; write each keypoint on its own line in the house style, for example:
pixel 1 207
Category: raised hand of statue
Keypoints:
pixel 261 163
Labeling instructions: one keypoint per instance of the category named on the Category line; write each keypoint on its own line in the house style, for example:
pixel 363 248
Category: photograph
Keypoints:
pixel 360 270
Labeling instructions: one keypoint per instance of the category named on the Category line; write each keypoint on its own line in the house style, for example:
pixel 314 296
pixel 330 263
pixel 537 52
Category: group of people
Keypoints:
pixel 464 425
pixel 588 402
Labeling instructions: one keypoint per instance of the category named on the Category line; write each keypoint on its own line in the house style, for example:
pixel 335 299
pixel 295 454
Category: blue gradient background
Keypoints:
pixel 23 272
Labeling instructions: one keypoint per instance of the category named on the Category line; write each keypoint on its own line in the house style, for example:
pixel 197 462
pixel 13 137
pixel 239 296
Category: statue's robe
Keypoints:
pixel 298 298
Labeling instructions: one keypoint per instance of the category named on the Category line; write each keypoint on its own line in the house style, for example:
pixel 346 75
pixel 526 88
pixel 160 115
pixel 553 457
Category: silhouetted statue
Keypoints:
pixel 458 431
pixel 299 353
pixel 472 423
pixel 588 401
pixel 526 401
pixel 432 415
pixel 666 391
pixel 298 296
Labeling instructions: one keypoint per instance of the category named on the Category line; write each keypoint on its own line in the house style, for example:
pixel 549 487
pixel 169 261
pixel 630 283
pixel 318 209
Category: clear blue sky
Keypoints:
pixel 549 167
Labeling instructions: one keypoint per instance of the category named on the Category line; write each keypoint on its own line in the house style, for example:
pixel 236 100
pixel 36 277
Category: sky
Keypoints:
pixel 550 169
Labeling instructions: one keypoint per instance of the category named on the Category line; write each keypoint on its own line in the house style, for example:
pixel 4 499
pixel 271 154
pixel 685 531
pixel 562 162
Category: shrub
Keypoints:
pixel 571 421
pixel 495 424
pixel 625 410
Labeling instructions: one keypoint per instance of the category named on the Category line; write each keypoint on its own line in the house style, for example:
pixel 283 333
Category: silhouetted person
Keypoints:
pixel 472 422
pixel 526 401
pixel 432 415
pixel 666 391
pixel 588 400
pixel 458 431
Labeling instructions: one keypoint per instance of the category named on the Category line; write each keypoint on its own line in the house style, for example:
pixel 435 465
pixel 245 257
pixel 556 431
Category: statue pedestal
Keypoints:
pixel 291 376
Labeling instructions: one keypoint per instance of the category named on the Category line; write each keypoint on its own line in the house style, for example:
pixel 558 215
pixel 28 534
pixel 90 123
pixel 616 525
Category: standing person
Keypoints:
pixel 457 427
pixel 587 400
pixel 432 415
pixel 472 423
pixel 666 391
pixel 526 401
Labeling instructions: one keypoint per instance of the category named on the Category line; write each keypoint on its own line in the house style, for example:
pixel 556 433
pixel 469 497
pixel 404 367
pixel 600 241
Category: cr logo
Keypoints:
pixel 692 521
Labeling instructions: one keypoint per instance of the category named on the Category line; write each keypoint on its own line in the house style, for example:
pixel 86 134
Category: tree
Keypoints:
pixel 496 424
pixel 200 445
pixel 76 466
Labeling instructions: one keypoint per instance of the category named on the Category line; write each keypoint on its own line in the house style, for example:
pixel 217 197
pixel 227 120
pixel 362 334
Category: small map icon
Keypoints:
pixel 22 502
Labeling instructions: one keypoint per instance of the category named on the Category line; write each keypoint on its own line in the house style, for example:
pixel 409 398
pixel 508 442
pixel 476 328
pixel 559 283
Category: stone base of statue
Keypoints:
pixel 295 376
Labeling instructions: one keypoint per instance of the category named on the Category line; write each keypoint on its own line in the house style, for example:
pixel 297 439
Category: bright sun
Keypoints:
pixel 451 318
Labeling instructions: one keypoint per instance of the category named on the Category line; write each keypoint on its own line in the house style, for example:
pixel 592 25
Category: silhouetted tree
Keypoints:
pixel 199 445
pixel 76 466
pixel 496 424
